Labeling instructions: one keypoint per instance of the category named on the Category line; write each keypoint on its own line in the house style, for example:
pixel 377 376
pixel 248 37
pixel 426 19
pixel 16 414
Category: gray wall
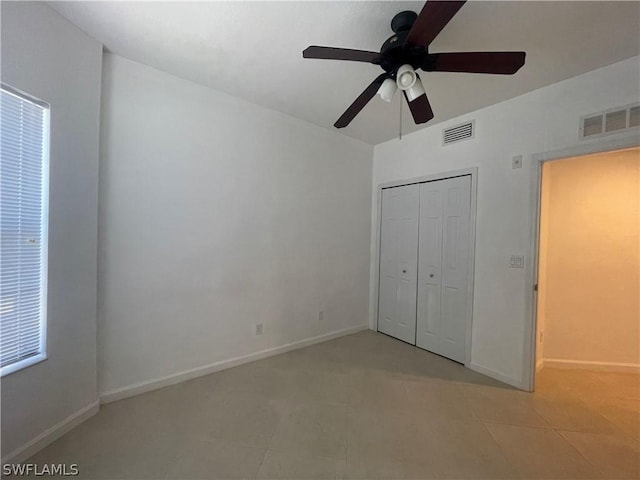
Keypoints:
pixel 46 56
pixel 215 215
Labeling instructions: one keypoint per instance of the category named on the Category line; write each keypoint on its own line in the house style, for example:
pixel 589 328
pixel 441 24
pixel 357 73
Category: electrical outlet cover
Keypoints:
pixel 516 162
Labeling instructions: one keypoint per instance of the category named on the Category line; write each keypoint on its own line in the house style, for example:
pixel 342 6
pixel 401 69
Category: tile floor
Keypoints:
pixel 363 406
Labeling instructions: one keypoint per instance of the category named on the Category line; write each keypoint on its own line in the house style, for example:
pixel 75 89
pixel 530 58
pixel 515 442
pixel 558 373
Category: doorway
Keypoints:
pixel 588 301
pixel 425 263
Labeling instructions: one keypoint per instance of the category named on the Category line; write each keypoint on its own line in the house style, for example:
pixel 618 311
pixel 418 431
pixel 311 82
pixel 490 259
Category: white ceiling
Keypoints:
pixel 253 50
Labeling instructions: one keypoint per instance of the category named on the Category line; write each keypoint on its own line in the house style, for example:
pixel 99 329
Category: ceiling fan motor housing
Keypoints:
pixel 394 52
pixel 403 21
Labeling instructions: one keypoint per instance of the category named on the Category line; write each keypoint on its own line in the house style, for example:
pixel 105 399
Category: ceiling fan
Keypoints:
pixel 408 50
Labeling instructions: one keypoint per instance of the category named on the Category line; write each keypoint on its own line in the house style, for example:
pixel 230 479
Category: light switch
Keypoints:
pixel 516 261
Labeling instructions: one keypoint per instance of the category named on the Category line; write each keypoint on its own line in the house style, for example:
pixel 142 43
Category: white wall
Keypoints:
pixel 46 56
pixel 215 215
pixel 540 121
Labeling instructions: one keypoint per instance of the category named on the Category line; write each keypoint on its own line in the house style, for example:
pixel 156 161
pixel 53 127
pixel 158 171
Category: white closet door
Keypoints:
pixel 399 262
pixel 444 266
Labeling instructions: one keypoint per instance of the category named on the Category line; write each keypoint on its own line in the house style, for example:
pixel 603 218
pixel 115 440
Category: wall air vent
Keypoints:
pixel 615 120
pixel 458 133
pixel 593 125
pixel 611 121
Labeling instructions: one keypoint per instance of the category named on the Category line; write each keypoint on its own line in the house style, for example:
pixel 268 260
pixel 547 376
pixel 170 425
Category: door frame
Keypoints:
pixel 596 146
pixel 473 172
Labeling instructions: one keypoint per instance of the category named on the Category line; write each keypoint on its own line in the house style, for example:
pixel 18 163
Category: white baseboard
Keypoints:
pixel 52 434
pixel 497 376
pixel 588 365
pixel 142 387
pixel 539 365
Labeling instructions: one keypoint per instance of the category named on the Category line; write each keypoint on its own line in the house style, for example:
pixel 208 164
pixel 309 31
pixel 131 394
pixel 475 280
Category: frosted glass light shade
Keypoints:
pixel 406 77
pixel 387 90
pixel 415 91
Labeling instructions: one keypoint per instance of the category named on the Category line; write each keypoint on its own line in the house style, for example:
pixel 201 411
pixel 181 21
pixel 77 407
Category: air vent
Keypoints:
pixel 615 121
pixel 610 121
pixel 458 133
pixel 592 125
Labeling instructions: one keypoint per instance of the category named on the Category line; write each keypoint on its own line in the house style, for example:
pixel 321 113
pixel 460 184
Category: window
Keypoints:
pixel 24 179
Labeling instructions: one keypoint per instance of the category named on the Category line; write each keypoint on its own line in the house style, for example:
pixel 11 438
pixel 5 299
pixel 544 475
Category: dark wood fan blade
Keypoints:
pixel 332 53
pixel 432 19
pixel 360 102
pixel 503 63
pixel 420 109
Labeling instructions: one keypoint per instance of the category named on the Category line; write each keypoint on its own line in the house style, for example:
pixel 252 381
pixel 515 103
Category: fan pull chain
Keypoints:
pixel 400 123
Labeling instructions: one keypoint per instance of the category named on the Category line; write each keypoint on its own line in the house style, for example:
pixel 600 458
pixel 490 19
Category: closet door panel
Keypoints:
pixel 398 262
pixel 443 266
pixel 455 268
pixel 430 265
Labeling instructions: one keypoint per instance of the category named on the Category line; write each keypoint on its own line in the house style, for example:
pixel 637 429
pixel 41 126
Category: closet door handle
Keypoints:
pixel 431 275
pixel 404 271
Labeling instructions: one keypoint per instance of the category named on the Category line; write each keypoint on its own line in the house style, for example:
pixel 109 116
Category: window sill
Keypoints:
pixel 17 366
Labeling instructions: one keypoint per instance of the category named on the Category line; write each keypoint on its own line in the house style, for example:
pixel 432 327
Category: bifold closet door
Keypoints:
pixel 444 266
pixel 399 262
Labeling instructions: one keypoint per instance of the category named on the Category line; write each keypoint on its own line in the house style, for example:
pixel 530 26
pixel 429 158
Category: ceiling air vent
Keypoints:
pixel 458 133
pixel 610 121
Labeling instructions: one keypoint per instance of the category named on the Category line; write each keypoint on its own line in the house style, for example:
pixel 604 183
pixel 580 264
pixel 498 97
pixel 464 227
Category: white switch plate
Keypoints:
pixel 259 329
pixel 321 315
pixel 516 261
pixel 516 162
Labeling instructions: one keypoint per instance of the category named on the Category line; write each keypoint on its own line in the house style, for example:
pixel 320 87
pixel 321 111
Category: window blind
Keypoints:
pixel 23 220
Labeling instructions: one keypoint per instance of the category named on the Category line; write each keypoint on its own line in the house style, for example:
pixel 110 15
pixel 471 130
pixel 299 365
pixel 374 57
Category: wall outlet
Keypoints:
pixel 259 329
pixel 516 261
pixel 516 162
pixel 321 315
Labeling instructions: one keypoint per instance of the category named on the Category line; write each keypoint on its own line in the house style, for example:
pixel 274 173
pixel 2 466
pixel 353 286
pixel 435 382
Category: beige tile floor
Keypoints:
pixel 363 406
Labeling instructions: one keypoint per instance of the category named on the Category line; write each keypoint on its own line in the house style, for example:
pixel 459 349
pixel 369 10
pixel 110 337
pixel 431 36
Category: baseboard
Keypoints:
pixel 147 386
pixel 501 377
pixel 539 365
pixel 588 365
pixel 51 434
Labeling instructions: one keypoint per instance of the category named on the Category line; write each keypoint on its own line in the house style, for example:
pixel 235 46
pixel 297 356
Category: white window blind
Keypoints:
pixel 23 228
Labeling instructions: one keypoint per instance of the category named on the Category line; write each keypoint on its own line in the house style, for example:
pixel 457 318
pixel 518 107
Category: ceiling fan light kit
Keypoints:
pixel 408 50
pixel 388 90
pixel 416 90
pixel 406 77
